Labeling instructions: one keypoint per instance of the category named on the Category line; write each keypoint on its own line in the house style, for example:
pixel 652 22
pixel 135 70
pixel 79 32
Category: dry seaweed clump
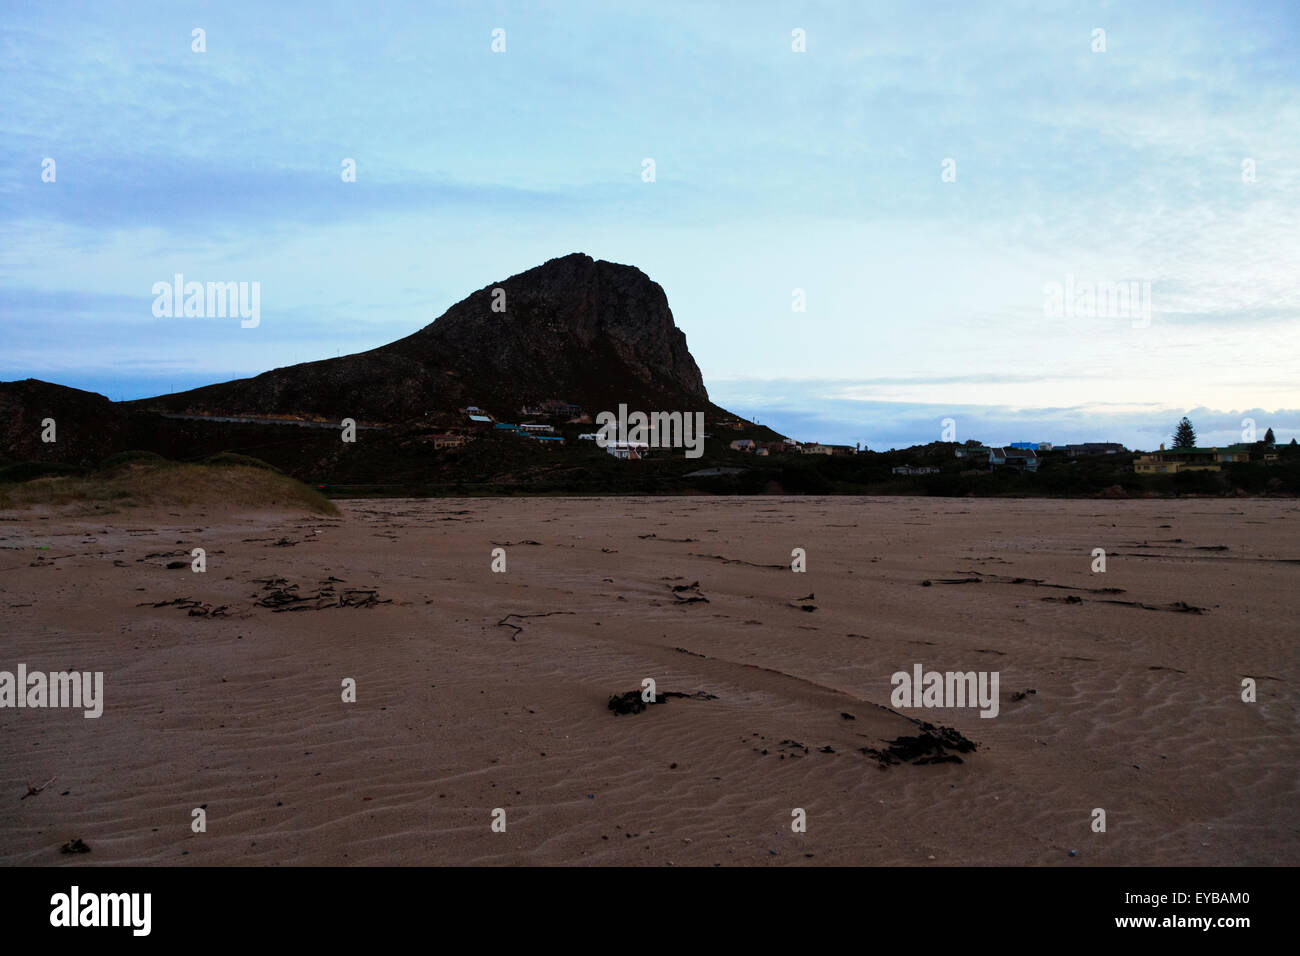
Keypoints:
pixel 631 702
pixel 932 745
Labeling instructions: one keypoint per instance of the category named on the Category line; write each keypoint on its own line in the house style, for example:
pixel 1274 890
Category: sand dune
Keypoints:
pixel 478 690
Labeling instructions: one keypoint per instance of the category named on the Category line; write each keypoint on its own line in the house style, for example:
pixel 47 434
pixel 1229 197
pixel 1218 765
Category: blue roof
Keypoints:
pixel 549 437
pixel 479 418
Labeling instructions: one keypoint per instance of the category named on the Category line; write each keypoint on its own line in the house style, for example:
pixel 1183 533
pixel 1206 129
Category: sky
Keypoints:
pixel 859 238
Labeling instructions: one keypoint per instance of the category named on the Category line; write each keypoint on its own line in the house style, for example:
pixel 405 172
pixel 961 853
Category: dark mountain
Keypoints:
pixel 591 333
pixel 585 331
pixel 87 426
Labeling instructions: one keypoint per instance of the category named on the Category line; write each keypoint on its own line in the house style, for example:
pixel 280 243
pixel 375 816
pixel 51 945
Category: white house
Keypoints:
pixel 633 450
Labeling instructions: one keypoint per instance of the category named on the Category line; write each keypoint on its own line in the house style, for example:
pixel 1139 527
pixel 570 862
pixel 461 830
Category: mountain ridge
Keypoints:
pixel 586 331
pixel 583 331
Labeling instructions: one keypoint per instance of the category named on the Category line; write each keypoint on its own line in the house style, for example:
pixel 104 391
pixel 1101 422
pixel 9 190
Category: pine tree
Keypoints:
pixel 1268 437
pixel 1185 434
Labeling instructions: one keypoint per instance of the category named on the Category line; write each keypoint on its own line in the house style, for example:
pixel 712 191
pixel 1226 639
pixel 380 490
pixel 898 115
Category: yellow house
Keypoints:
pixel 1173 460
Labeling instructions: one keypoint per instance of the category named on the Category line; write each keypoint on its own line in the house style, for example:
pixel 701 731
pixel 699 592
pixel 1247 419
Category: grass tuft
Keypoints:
pixel 144 482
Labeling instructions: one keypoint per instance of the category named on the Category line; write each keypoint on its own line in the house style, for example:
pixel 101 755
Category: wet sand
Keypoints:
pixel 478 690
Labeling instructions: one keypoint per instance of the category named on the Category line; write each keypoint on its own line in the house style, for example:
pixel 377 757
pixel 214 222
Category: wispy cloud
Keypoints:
pixel 810 411
pixel 776 171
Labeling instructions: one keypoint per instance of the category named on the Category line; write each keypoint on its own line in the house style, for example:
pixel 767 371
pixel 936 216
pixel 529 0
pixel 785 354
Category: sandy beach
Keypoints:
pixel 478 690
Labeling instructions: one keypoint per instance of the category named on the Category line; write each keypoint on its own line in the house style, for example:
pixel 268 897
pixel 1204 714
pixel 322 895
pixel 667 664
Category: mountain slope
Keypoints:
pixel 87 426
pixel 586 331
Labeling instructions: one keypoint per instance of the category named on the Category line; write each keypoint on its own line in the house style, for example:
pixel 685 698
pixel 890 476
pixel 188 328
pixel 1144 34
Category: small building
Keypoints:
pixel 503 427
pixel 552 408
pixel 447 440
pixel 744 444
pixel 479 421
pixel 549 440
pixel 1235 453
pixel 561 409
pixel 915 470
pixel 1023 459
pixel 813 448
pixel 1095 448
pixel 628 450
pixel 971 451
pixel 1170 461
pixel 537 429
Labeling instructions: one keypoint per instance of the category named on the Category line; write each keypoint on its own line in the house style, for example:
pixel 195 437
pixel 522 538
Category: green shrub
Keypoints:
pixel 230 458
pixel 28 470
pixel 131 458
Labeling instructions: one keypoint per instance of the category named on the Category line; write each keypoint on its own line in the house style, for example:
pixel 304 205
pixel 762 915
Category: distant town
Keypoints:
pixel 550 445
pixel 1024 456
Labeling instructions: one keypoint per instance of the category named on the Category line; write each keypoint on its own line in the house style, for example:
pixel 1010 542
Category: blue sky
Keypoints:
pixel 775 171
